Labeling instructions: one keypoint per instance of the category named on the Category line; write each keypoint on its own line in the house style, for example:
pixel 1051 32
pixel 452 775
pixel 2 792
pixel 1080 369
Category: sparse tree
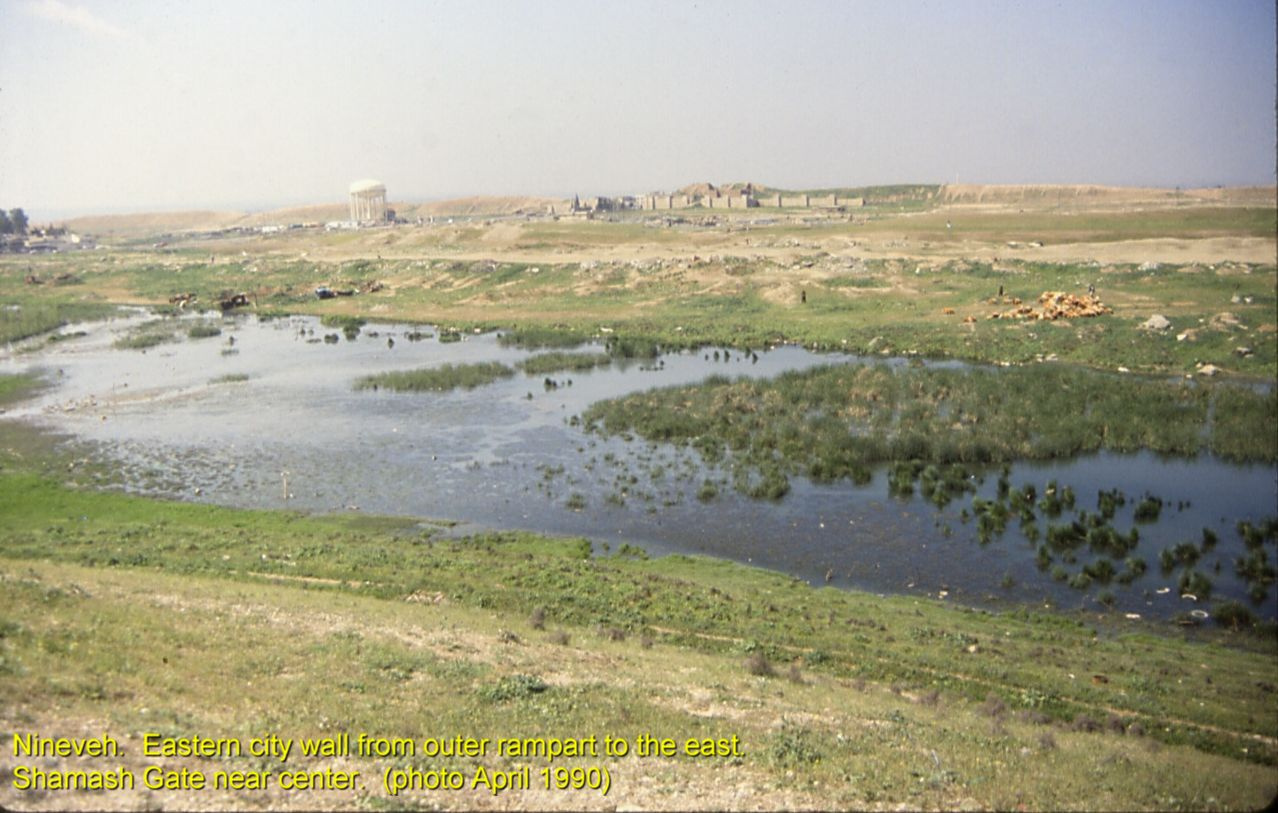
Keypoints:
pixel 6 225
pixel 18 220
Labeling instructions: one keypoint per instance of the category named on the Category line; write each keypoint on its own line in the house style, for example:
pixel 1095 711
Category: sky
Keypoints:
pixel 141 105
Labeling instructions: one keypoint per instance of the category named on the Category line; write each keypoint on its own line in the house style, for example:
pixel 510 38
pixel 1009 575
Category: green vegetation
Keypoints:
pixel 545 363
pixel 203 331
pixel 537 338
pixel 832 422
pixel 17 386
pixel 147 335
pixel 30 317
pixel 350 325
pixel 438 379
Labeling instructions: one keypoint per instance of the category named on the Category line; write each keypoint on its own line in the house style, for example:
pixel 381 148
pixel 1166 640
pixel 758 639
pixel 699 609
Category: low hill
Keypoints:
pixel 482 205
pixel 152 222
pixel 1092 195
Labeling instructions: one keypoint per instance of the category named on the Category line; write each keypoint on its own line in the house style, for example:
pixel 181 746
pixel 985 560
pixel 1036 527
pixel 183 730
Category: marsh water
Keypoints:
pixel 265 415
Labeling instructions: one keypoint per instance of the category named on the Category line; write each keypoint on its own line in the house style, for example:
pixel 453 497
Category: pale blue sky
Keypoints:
pixel 132 105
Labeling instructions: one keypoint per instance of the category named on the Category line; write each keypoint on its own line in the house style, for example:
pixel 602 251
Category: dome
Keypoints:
pixel 367 185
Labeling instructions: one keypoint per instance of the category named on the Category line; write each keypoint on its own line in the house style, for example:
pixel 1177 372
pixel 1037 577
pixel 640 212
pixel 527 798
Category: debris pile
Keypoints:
pixel 229 301
pixel 1054 305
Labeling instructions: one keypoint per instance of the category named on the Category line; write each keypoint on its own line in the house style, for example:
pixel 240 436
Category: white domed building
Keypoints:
pixel 368 201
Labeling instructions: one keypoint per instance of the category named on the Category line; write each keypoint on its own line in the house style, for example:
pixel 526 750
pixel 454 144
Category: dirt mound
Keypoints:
pixel 1082 195
pixel 314 213
pixel 482 205
pixel 152 222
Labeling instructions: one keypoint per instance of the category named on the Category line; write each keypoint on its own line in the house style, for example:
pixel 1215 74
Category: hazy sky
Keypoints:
pixel 123 105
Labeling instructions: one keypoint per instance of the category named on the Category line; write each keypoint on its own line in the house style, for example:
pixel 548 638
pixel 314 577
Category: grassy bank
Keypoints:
pixel 27 315
pixel 842 698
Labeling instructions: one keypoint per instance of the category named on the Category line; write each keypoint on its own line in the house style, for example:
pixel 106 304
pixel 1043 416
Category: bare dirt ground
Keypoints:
pixel 502 241
pixel 795 234
pixel 1099 198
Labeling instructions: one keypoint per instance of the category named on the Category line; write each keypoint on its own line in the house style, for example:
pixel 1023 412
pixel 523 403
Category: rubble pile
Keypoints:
pixel 1054 305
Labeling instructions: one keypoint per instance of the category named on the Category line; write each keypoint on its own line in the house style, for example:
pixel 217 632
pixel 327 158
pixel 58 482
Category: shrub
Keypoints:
pixel 792 747
pixel 513 687
pixel 993 706
pixel 1234 615
pixel 756 663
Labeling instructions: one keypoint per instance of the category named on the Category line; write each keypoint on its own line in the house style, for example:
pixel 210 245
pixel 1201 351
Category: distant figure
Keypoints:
pixel 1091 289
pixel 1000 290
pixel 949 226
pixel 803 297
pixel 390 342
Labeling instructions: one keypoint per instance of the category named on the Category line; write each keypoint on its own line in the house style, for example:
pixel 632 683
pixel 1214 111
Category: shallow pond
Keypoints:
pixel 265 415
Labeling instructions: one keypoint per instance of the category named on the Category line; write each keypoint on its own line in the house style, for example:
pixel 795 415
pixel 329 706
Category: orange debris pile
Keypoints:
pixel 1057 305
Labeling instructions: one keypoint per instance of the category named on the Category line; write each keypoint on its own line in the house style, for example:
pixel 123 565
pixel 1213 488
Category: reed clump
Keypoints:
pixel 437 379
pixel 834 422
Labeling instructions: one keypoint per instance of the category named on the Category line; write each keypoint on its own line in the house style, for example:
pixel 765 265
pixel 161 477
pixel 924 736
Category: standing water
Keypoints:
pixel 265 414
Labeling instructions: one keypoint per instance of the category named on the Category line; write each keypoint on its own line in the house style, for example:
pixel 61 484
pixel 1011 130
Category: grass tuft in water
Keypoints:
pixel 438 379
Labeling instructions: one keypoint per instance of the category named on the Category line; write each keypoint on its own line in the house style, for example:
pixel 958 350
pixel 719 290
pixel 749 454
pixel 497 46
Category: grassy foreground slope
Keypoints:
pixel 125 615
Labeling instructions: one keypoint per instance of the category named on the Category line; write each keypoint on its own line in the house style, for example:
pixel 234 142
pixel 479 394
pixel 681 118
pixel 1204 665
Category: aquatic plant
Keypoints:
pixel 1234 615
pixel 827 422
pixel 1108 502
pixel 1148 509
pixel 533 338
pixel 203 331
pixel 545 363
pixel 147 335
pixel 1194 583
pixel 350 325
pixel 437 379
pixel 1133 569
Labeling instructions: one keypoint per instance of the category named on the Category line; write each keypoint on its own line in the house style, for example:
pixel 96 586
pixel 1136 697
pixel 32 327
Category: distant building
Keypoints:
pixel 368 202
